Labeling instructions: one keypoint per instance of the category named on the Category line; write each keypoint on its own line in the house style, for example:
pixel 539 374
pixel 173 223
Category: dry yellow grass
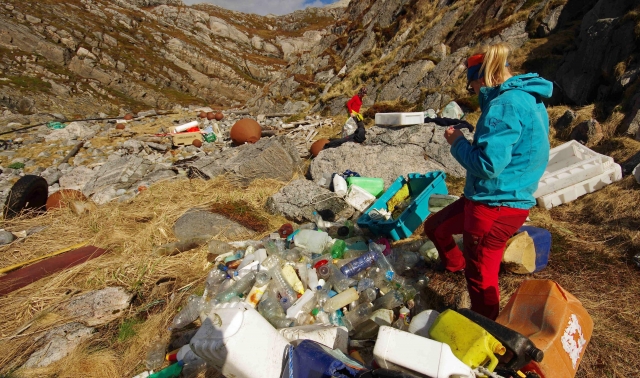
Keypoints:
pixel 131 230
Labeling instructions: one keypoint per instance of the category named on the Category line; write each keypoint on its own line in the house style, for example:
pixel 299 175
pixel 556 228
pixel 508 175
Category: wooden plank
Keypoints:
pixel 32 273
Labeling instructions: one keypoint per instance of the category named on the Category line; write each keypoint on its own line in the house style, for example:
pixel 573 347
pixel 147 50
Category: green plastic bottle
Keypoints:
pixel 338 248
pixel 172 371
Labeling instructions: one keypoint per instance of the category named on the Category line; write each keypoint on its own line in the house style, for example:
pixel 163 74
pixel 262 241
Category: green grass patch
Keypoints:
pixel 30 83
pixel 127 329
pixel 16 165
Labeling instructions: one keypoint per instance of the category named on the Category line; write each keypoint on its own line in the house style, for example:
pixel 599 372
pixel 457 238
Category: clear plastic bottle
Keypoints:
pixel 275 247
pixel 358 264
pixel 321 316
pixel 217 247
pixel 270 308
pixel 365 284
pixel 405 260
pixel 258 289
pixel 381 260
pixel 314 241
pixel 313 278
pixel 289 296
pixel 358 315
pixel 339 281
pixel 155 355
pixel 292 255
pixel 368 295
pixel 340 300
pixel 292 278
pixel 189 312
pixel 214 281
pixel 403 320
pixel 389 301
pixel 239 287
pixel 335 318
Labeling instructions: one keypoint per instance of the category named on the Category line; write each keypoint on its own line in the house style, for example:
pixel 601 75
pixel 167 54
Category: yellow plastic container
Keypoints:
pixel 468 341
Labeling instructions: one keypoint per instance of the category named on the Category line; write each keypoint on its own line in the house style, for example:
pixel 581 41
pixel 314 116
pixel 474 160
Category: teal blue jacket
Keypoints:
pixel 510 148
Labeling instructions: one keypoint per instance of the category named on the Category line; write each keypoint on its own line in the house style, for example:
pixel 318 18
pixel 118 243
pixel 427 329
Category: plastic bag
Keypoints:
pixel 349 127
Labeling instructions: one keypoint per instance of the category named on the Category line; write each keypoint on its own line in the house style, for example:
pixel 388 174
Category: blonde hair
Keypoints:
pixel 494 65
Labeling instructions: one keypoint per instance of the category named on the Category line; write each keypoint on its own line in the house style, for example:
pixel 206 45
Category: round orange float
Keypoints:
pixel 245 130
pixel 197 143
pixel 203 115
pixel 219 116
pixel 128 117
pixel 211 115
pixel 62 197
pixel 120 126
pixel 317 146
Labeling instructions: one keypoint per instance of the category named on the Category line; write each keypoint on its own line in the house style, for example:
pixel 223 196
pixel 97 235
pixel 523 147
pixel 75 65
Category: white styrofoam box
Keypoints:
pixel 328 335
pixel 413 118
pixel 239 342
pixel 399 350
pixel 570 164
pixel 359 198
pixel 570 193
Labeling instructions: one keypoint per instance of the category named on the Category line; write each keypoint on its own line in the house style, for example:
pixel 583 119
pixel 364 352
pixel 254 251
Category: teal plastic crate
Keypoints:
pixel 421 187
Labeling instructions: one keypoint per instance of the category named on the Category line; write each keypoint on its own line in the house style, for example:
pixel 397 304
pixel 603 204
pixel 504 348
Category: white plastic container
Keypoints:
pixel 312 240
pixel 185 127
pixel 294 310
pixel 399 350
pixel 359 198
pixel 421 323
pixel 568 194
pixel 327 335
pixel 413 118
pixel 570 164
pixel 237 341
pixel 636 172
pixel 339 185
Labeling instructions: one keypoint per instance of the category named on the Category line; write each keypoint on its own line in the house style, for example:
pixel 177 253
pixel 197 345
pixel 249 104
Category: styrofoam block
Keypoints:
pixel 413 118
pixel 570 164
pixel 359 198
pixel 574 191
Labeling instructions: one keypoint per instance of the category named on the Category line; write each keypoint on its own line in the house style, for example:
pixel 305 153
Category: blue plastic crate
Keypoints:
pixel 421 187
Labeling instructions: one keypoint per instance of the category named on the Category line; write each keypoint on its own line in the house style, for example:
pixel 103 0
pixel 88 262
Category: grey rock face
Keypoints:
pixel 76 179
pixel 428 137
pixel 201 223
pixel 274 158
pixel 6 237
pixel 565 121
pixel 386 162
pixel 602 43
pixel 405 84
pixel 98 307
pixel 58 343
pixel 588 132
pixel 298 200
pixel 122 173
pixel 74 130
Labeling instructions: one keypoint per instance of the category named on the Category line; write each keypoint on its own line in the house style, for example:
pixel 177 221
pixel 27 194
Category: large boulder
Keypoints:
pixel 386 162
pixel 298 200
pixel 98 307
pixel 198 223
pixel 429 137
pixel 603 43
pixel 57 344
pixel 118 173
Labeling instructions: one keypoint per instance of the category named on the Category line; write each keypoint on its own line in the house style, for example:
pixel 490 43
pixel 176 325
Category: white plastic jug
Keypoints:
pixel 399 350
pixel 327 335
pixel 339 185
pixel 314 241
pixel 239 342
pixel 185 127
pixel 421 323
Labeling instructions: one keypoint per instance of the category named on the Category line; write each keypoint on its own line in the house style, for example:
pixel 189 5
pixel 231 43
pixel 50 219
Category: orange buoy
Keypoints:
pixel 317 146
pixel 197 143
pixel 245 130
pixel 219 116
pixel 128 117
pixel 211 116
pixel 120 126
pixel 62 197
pixel 203 115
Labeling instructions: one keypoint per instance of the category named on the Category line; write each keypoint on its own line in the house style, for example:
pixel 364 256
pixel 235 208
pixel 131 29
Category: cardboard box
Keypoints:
pixel 185 139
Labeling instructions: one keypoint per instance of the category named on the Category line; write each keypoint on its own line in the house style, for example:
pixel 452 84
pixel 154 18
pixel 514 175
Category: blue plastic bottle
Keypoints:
pixel 358 264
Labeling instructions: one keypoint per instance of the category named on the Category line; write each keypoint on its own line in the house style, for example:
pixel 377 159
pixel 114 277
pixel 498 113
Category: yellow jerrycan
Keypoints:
pixel 468 341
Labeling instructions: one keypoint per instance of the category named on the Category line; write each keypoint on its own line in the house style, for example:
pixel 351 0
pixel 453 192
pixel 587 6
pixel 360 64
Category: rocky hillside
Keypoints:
pixel 90 56
pixel 409 54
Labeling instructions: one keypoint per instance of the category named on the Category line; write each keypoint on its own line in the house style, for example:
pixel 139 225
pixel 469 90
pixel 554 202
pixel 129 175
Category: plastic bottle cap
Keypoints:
pixel 321 263
pixel 315 312
pixel 343 231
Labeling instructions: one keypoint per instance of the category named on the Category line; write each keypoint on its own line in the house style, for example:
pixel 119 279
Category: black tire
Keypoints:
pixel 30 192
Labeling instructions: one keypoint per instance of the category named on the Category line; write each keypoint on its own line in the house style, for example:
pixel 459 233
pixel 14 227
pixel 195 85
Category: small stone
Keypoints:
pixel 6 237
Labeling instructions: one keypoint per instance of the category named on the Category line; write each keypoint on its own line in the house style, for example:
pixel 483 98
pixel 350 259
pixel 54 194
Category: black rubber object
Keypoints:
pixel 30 192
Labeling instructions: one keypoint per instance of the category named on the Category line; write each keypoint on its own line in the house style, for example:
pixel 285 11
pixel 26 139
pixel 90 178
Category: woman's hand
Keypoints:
pixel 451 134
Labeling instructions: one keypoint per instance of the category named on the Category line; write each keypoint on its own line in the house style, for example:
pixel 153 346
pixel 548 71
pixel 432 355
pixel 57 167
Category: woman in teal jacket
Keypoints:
pixel 504 164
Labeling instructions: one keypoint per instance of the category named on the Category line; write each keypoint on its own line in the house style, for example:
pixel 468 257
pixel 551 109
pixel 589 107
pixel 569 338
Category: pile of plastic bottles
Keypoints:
pixel 322 273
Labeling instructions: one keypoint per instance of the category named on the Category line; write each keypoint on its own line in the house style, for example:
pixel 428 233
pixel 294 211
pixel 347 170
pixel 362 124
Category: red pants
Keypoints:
pixel 485 231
